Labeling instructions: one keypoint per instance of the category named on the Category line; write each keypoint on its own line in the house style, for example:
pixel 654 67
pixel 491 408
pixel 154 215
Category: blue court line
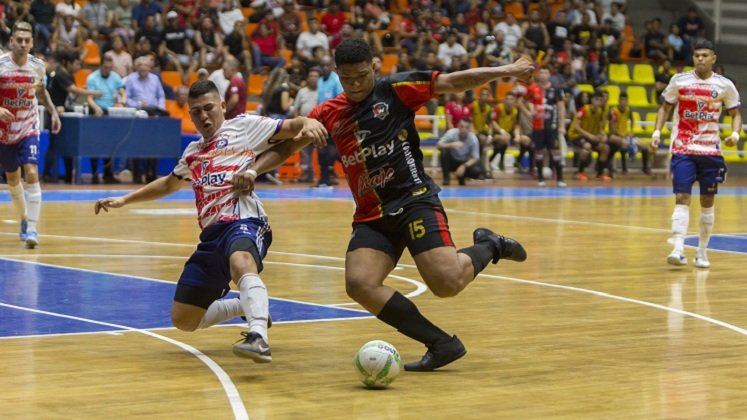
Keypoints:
pixel 270 193
pixel 118 299
pixel 736 243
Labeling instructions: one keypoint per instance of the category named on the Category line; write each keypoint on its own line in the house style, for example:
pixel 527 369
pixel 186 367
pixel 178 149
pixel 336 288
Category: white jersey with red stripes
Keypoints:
pixel 696 119
pixel 210 165
pixel 18 85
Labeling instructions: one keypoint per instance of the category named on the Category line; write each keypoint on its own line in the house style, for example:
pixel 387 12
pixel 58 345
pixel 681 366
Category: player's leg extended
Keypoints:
pixel 365 271
pixel 255 305
pixel 684 171
pixel 707 217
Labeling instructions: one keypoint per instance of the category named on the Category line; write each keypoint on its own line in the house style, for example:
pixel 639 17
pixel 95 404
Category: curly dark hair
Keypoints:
pixel 353 51
pixel 202 87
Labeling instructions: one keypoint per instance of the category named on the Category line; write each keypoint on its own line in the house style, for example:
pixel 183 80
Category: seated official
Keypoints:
pixel 111 86
pixel 460 153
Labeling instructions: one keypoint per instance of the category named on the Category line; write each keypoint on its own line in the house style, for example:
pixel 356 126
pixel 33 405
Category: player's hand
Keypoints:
pixel 522 69
pixel 108 203
pixel 5 115
pixel 244 181
pixel 56 124
pixel 314 131
pixel 732 139
pixel 655 139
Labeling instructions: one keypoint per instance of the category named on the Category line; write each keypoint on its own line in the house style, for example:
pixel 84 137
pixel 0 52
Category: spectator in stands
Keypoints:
pixel 328 86
pixel 677 50
pixel 306 99
pixel 587 134
pixel 96 17
pixel 206 8
pixel 309 39
pixel 228 15
pixel 460 153
pixel 43 12
pixel 64 8
pixel 239 46
pixel 176 49
pixel 535 31
pixel 63 93
pixel 596 63
pixel 142 10
pixel 289 22
pixel 492 51
pixel 150 30
pixel 111 86
pixel 482 116
pixel 68 36
pixel 582 33
pixel 450 48
pixel 236 92
pixel 621 135
pixel 179 108
pixel 505 129
pixel 611 40
pixel 209 42
pixel 655 42
pixel 122 22
pixel 121 58
pixel 691 26
pixel 220 80
pixel 456 109
pixel 404 62
pixel 559 29
pixel 511 29
pixel 615 15
pixel 333 19
pixel 264 47
pixel 144 91
pixel 346 32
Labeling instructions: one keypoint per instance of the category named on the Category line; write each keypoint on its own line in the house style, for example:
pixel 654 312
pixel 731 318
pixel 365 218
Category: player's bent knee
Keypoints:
pixel 445 290
pixel 184 323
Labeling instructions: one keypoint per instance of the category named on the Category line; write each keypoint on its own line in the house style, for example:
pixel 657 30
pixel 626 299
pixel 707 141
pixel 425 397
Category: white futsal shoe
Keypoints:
pixel 701 260
pixel 677 258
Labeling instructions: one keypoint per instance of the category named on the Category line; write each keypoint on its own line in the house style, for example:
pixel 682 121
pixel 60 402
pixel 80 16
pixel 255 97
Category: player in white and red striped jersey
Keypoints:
pixel 696 145
pixel 235 231
pixel 21 89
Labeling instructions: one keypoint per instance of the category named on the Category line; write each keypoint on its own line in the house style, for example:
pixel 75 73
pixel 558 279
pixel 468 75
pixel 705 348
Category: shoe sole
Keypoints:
pixel 701 265
pixel 246 354
pixel 31 243
pixel 673 260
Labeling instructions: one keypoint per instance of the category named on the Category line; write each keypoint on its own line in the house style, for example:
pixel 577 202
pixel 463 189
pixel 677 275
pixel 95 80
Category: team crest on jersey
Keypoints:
pixel 381 110
pixel 714 94
pixel 221 141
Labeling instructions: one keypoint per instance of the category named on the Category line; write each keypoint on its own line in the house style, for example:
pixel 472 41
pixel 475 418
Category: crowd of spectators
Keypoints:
pixel 231 41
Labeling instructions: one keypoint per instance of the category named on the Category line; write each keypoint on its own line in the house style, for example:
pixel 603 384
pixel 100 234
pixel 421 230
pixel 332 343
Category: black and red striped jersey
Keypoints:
pixel 379 145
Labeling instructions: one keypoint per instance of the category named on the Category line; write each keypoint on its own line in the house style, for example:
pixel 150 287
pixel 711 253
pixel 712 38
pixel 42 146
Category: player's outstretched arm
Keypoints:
pixel 161 187
pixel 461 81
pixel 301 129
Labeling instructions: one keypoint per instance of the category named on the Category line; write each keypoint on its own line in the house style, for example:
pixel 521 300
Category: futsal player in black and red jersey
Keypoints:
pixel 372 124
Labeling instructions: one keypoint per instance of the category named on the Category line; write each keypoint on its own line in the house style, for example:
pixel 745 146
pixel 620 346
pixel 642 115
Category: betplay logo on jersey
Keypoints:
pixel 381 110
pixel 374 151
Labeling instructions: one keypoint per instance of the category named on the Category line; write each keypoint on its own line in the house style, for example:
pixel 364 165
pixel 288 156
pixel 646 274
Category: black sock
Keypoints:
pixel 402 314
pixel 480 254
pixel 558 170
pixel 540 167
pixel 582 164
pixel 644 157
pixel 522 149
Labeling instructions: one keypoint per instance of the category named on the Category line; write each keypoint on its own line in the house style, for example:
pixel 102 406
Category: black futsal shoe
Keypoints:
pixel 438 355
pixel 503 248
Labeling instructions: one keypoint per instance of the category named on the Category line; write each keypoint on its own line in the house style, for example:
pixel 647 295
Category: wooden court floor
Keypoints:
pixel 594 324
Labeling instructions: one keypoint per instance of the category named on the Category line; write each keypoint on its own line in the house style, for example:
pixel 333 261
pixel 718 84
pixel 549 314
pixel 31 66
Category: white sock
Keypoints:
pixel 219 311
pixel 680 222
pixel 19 200
pixel 35 199
pixel 707 216
pixel 255 303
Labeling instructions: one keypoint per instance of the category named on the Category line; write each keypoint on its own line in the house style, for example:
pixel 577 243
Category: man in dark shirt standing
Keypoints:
pixel 372 124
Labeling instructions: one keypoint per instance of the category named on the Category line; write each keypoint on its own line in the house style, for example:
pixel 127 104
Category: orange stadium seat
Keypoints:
pixel 171 78
pixel 515 8
pixel 502 89
pixel 291 169
pixel 388 61
pixel 287 55
pixel 256 83
pixel 80 77
pixel 251 107
pixel 423 124
pixel 249 29
pixel 93 54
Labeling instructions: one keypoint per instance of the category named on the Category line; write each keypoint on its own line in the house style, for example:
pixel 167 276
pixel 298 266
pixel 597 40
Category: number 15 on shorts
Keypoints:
pixel 417 230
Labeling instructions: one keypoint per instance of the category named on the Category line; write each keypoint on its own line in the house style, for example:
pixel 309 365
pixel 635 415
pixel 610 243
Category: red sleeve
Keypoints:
pixel 414 89
pixel 613 115
pixel 316 113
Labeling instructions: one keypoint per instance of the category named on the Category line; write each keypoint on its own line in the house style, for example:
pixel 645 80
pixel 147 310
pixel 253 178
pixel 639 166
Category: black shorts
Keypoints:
pixel 581 141
pixel 198 296
pixel 546 138
pixel 420 226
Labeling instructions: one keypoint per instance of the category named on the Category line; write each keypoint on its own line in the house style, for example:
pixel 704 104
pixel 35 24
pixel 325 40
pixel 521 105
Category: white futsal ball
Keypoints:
pixel 377 363
pixel 546 172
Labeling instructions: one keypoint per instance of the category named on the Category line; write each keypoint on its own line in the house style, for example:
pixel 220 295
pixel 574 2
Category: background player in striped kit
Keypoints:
pixel 696 146
pixel 21 88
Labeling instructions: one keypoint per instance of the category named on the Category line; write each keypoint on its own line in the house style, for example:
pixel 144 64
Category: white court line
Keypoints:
pixel 237 405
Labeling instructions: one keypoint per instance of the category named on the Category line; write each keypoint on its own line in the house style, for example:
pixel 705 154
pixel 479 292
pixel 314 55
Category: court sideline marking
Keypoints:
pixel 237 405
